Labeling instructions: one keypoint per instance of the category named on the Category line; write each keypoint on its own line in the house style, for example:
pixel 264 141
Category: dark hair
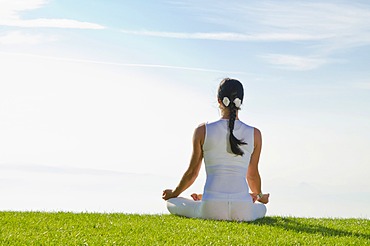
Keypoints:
pixel 232 88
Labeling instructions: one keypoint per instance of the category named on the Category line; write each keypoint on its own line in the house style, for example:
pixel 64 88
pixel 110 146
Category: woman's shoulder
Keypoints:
pixel 208 124
pixel 201 126
pixel 247 125
pixel 213 122
pixel 200 132
pixel 255 130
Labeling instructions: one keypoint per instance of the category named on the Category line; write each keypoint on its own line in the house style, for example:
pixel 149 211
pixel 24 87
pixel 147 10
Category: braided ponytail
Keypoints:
pixel 232 89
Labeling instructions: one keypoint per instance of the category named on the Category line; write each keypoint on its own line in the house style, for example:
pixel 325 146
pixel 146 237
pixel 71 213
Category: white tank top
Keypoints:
pixel 226 172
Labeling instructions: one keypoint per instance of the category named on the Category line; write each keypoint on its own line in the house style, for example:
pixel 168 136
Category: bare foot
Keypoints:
pixel 196 197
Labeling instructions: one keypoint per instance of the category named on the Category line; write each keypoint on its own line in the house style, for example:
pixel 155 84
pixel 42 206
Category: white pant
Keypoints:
pixel 217 210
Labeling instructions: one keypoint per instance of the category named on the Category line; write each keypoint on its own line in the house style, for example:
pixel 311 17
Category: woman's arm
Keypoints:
pixel 253 176
pixel 195 163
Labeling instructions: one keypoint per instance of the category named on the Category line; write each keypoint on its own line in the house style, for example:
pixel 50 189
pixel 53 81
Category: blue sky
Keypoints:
pixel 97 97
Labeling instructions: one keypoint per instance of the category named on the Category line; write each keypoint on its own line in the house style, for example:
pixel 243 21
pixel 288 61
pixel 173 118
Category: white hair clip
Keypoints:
pixel 237 102
pixel 226 101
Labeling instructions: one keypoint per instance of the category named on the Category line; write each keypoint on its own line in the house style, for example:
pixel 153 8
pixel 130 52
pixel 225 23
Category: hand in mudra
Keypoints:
pixel 264 199
pixel 167 194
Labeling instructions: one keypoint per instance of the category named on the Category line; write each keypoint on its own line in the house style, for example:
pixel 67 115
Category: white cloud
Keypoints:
pixel 362 85
pixel 337 21
pixel 10 8
pixel 318 29
pixel 295 62
pixel 228 36
pixel 332 24
pixel 53 23
pixel 10 16
pixel 33 39
pixel 17 37
pixel 341 25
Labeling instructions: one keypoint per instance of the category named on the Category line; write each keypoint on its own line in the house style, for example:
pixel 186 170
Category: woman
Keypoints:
pixel 231 151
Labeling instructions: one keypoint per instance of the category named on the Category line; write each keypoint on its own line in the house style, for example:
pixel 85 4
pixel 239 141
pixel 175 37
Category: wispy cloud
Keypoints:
pixel 129 64
pixel 325 21
pixel 341 25
pixel 317 29
pixel 362 85
pixel 291 62
pixel 335 25
pixel 53 23
pixel 229 36
pixel 10 8
pixel 17 37
pixel 10 16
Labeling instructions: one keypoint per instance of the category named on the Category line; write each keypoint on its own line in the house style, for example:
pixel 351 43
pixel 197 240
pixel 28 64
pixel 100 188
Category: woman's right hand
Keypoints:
pixel 264 199
pixel 167 194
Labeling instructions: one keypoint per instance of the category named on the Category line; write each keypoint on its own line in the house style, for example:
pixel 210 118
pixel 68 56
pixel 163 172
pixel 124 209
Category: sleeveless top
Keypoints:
pixel 226 172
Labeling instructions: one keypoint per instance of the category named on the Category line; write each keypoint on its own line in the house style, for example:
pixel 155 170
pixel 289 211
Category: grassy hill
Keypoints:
pixel 39 228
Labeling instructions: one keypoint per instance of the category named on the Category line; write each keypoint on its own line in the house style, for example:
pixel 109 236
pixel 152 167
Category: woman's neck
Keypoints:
pixel 225 115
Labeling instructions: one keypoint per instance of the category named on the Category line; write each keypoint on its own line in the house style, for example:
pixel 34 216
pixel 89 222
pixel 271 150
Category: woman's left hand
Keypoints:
pixel 264 199
pixel 167 194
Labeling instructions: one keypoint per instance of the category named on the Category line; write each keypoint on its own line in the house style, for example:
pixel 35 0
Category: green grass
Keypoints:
pixel 39 228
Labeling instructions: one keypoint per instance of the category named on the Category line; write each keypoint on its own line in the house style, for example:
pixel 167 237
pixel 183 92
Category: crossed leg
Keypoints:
pixel 217 210
pixel 184 207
